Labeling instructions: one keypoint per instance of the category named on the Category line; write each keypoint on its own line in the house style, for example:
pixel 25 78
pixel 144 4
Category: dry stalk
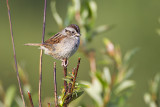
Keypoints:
pixel 75 76
pixel 55 86
pixel 15 60
pixel 40 62
pixel 30 99
pixel 65 74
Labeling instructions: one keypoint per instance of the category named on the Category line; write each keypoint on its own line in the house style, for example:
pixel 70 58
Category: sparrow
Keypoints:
pixel 62 45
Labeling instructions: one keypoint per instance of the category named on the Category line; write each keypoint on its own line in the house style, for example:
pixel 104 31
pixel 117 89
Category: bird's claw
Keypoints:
pixel 65 63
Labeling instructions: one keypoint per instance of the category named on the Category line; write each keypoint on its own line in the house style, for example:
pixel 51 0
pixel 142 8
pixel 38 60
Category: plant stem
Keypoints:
pixel 55 86
pixel 15 59
pixel 70 84
pixel 65 74
pixel 30 99
pixel 75 76
pixel 40 64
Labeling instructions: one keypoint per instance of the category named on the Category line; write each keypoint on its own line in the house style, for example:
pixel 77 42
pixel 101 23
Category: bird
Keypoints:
pixel 62 45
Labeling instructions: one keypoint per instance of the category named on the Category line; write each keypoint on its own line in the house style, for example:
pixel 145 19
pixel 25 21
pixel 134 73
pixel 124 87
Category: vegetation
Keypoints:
pixel 109 87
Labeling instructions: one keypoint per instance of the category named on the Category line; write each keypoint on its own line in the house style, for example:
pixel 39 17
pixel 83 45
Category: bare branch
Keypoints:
pixel 40 64
pixel 55 86
pixel 75 76
pixel 30 99
pixel 15 60
pixel 65 74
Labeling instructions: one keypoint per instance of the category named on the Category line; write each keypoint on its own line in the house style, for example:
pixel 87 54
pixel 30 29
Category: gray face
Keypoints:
pixel 69 31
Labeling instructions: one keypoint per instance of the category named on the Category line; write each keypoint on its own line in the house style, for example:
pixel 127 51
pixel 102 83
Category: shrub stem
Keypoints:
pixel 40 64
pixel 15 60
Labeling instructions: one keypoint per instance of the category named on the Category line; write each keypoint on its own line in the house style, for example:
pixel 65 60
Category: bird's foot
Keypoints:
pixel 65 63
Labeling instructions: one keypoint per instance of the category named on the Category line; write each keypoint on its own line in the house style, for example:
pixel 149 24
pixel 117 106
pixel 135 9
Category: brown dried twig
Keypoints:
pixel 65 74
pixel 55 86
pixel 40 64
pixel 75 76
pixel 30 99
pixel 18 78
pixel 70 84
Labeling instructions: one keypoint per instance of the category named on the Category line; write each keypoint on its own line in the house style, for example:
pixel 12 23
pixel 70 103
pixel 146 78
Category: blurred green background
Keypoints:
pixel 136 22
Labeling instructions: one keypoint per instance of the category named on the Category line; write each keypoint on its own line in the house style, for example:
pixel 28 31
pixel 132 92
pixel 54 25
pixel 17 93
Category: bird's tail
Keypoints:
pixel 33 44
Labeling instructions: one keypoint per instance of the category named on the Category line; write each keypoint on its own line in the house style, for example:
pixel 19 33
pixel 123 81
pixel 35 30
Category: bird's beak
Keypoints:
pixel 78 34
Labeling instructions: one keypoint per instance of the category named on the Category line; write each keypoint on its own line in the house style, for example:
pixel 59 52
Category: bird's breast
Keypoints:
pixel 67 47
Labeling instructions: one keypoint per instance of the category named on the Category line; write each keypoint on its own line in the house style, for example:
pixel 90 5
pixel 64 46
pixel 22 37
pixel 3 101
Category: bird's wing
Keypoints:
pixel 55 39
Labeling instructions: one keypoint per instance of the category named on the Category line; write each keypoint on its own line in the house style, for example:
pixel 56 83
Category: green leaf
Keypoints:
pixel 156 84
pixel 93 8
pixel 82 85
pixel 95 91
pixel 158 31
pixel 10 94
pixel 70 15
pixel 100 76
pixel 56 16
pixel 129 73
pixel 124 85
pixel 19 101
pixel 147 98
pixel 77 5
pixel 101 29
pixel 106 75
pixel 76 95
pixel 129 55
pixel 68 80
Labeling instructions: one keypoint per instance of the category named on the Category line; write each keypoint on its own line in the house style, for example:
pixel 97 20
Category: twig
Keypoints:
pixel 65 74
pixel 70 84
pixel 55 85
pixel 40 64
pixel 74 72
pixel 15 60
pixel 75 76
pixel 30 99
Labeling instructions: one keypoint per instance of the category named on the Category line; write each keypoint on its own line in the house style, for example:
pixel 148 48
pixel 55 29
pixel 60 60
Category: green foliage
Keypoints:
pixel 84 12
pixel 112 87
pixel 9 97
pixel 152 98
pixel 72 95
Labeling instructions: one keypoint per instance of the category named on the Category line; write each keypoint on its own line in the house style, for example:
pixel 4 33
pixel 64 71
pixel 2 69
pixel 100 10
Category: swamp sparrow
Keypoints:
pixel 62 45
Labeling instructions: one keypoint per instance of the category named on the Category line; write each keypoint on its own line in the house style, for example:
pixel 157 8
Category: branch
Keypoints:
pixel 30 99
pixel 70 84
pixel 40 62
pixel 75 76
pixel 65 74
pixel 55 86
pixel 15 60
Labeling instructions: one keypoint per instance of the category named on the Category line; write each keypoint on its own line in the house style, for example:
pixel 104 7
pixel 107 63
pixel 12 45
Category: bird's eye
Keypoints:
pixel 72 31
pixel 66 30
